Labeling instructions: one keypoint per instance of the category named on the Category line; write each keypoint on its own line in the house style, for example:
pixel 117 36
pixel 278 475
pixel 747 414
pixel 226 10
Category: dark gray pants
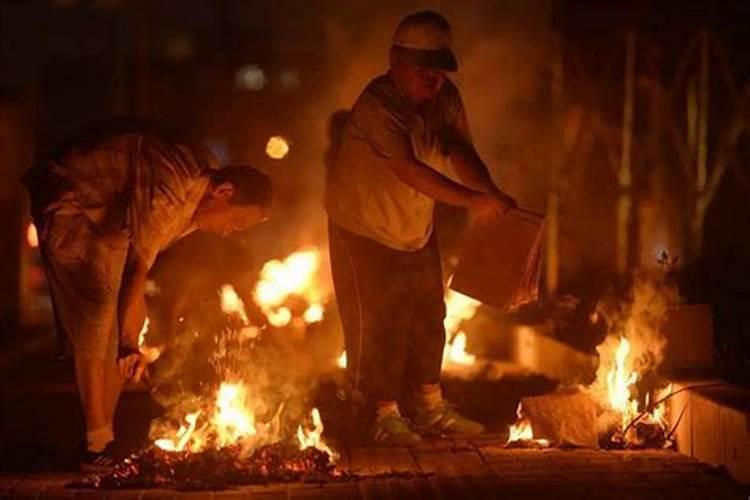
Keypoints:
pixel 392 308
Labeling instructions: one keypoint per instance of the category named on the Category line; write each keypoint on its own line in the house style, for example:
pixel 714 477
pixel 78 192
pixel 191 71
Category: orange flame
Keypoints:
pixel 458 308
pixel 232 304
pixel 232 419
pixel 294 276
pixel 313 438
pixel 341 361
pixel 522 430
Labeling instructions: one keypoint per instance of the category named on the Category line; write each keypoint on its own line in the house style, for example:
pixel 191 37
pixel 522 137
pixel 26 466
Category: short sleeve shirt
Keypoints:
pixel 363 194
pixel 138 185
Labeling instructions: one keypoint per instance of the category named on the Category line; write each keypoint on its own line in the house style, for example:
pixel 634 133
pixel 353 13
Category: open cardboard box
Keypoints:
pixel 500 261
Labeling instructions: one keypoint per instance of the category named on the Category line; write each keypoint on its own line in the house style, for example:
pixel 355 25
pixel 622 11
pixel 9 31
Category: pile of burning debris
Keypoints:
pixel 217 468
pixel 625 406
pixel 238 427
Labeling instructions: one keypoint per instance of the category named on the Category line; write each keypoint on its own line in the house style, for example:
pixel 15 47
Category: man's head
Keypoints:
pixel 238 198
pixel 421 54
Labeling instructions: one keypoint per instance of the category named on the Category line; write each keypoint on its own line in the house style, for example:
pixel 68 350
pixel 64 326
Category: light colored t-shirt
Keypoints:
pixel 136 185
pixel 363 194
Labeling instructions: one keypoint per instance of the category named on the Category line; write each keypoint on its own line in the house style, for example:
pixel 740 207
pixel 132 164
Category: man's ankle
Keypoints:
pixel 428 397
pixel 385 409
pixel 98 439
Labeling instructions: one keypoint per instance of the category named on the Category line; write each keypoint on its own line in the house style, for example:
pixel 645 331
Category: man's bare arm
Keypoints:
pixel 474 173
pixel 132 302
pixel 432 183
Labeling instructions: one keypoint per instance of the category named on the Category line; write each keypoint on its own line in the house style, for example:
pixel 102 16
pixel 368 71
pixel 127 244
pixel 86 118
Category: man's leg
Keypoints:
pixel 84 274
pixel 427 341
pixel 369 295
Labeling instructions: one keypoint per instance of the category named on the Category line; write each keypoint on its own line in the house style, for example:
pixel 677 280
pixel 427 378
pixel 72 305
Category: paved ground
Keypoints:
pixel 459 469
pixel 40 426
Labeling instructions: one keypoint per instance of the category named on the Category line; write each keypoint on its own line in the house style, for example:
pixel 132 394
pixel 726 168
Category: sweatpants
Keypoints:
pixel 392 308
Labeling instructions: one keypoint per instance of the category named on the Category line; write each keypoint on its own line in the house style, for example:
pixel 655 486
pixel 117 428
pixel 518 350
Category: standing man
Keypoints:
pixel 404 129
pixel 105 206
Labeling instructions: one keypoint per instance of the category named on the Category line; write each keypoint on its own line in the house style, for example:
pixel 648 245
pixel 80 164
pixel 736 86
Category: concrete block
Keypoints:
pixel 563 417
pixel 690 338
pixel 715 427
pixel 537 350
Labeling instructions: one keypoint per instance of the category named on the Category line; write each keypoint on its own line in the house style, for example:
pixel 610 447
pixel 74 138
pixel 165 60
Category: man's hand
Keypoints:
pixel 132 363
pixel 485 206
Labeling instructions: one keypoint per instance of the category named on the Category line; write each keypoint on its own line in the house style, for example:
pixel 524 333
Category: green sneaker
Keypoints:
pixel 394 430
pixel 445 420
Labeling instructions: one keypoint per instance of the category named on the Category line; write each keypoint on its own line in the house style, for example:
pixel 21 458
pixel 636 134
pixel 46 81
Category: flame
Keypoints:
pixel 277 147
pixel 458 308
pixel 232 418
pixel 620 378
pixel 32 237
pixel 183 436
pixel 455 352
pixel 232 304
pixel 341 361
pixel 150 353
pixel 522 430
pixel 295 276
pixel 313 438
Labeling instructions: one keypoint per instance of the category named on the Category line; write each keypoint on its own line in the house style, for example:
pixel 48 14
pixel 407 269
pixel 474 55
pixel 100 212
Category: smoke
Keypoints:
pixel 639 319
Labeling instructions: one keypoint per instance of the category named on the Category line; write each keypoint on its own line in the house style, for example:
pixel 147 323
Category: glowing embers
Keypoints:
pixel 277 147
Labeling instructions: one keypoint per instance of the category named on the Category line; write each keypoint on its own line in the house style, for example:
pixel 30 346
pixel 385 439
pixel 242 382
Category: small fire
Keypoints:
pixel 522 430
pixel 32 237
pixel 341 361
pixel 455 352
pixel 150 353
pixel 458 308
pixel 232 419
pixel 183 436
pixel 277 147
pixel 232 304
pixel 294 277
pixel 313 438
pixel 620 379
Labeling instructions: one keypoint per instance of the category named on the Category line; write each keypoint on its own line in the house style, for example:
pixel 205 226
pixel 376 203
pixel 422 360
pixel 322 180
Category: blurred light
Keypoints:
pixel 250 77
pixel 290 79
pixel 32 238
pixel 277 147
pixel 178 48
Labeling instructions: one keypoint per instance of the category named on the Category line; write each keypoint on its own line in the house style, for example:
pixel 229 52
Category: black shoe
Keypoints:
pixel 99 463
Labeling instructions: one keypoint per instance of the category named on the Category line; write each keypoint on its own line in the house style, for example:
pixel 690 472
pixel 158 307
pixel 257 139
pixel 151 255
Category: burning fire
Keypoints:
pixel 150 353
pixel 458 308
pixel 621 378
pixel 296 277
pixel 522 431
pixel 341 361
pixel 232 304
pixel 313 438
pixel 232 420
pixel 277 147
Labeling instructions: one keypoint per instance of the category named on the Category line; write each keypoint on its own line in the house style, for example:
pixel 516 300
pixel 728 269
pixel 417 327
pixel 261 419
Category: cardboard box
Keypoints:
pixel 500 261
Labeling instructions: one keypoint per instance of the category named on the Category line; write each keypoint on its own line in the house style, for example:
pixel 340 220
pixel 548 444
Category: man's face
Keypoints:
pixel 421 84
pixel 218 216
